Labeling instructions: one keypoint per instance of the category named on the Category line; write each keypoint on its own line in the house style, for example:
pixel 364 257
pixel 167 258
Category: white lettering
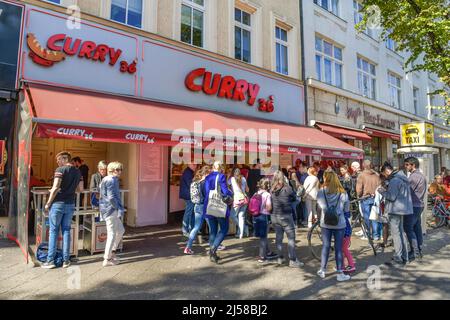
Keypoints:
pixel 71 132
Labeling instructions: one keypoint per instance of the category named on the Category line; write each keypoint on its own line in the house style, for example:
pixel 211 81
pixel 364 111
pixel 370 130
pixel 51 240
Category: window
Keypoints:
pixel 395 90
pixel 329 5
pixel 358 16
pixel 192 12
pixel 127 11
pixel 366 78
pixel 54 1
pixel 328 62
pixel 416 99
pixel 281 42
pixel 391 44
pixel 242 32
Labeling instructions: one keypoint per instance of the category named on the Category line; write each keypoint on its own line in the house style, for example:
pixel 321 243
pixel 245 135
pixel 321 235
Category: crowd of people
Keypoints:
pixel 390 200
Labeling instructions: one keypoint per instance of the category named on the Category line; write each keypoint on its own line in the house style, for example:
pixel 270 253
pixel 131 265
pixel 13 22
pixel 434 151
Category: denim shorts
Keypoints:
pixel 260 226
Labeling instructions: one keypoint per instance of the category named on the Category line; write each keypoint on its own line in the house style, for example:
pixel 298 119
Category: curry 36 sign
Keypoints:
pixel 60 45
pixel 98 58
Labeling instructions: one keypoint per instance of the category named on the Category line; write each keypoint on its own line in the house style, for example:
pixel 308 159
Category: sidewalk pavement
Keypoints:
pixel 153 267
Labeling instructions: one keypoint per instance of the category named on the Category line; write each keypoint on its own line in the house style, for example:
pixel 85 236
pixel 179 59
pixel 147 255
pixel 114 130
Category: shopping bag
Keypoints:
pixel 216 207
pixel 374 213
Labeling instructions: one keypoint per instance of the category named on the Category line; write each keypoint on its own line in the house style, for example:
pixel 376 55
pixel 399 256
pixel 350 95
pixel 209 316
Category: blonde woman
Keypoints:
pixel 240 201
pixel 311 186
pixel 111 210
pixel 334 203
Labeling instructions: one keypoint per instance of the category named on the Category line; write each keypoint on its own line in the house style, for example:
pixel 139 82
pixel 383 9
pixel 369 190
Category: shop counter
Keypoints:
pixel 94 231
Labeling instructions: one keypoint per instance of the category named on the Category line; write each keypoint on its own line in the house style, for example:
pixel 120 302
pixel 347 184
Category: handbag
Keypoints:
pixel 242 198
pixel 216 206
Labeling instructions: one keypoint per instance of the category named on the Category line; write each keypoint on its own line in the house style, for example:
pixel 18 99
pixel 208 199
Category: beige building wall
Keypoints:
pixel 163 17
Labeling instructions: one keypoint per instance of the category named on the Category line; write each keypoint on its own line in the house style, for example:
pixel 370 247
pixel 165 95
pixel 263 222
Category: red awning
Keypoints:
pixel 64 113
pixel 343 133
pixel 382 134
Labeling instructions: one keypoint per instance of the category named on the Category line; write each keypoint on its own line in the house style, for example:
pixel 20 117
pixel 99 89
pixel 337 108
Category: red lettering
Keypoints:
pixel 86 49
pixel 76 45
pixel 253 90
pixel 240 90
pixel 226 87
pixel 51 43
pixel 207 87
pixel 189 81
pixel 101 52
pixel 114 55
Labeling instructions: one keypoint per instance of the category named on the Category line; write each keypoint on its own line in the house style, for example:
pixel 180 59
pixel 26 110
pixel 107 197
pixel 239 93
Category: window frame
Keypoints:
pixel 334 61
pixel 126 16
pixel 194 6
pixel 372 77
pixel 330 6
pixel 243 26
pixel 416 96
pixel 282 43
pixel 358 17
pixel 398 88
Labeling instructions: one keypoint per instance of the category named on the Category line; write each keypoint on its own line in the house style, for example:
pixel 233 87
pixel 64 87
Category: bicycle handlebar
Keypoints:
pixel 360 199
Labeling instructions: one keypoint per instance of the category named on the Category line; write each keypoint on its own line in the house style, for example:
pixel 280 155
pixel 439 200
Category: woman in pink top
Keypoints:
pixel 260 223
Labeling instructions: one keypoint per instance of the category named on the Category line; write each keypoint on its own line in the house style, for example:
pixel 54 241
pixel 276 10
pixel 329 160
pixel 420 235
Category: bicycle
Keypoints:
pixel 441 213
pixel 315 233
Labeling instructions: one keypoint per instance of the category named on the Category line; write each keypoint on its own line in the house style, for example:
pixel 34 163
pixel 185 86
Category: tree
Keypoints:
pixel 421 27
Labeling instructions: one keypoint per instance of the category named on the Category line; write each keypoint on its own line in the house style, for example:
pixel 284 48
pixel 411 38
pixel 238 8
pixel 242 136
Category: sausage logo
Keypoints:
pixel 60 45
pixel 40 55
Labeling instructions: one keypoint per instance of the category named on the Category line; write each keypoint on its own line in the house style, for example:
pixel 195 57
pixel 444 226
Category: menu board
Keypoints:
pixel 150 163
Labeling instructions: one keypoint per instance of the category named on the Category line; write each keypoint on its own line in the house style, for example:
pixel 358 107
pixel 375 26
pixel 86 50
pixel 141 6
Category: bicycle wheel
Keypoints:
pixel 315 242
pixel 366 233
pixel 439 219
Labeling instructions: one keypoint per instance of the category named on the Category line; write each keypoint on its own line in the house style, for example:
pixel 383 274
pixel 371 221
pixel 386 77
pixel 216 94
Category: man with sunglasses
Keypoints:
pixel 413 223
pixel 61 204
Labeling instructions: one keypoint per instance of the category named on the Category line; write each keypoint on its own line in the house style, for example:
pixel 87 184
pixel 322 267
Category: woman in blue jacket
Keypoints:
pixel 218 227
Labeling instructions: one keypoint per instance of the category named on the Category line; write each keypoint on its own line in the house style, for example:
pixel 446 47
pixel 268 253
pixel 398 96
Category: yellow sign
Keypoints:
pixel 417 134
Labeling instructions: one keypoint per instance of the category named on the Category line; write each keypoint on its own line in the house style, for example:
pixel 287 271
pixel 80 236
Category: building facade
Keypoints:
pixel 357 82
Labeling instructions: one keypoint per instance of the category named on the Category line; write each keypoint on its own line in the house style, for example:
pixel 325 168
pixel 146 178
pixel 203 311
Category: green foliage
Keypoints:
pixel 421 27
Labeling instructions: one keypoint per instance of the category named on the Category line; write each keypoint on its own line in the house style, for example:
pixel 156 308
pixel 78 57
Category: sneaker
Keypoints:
pixel 296 264
pixel 395 264
pixel 376 239
pixel 110 262
pixel 343 277
pixel 114 256
pixel 364 238
pixel 280 261
pixel 188 251
pixel 271 255
pixel 48 265
pixel 262 260
pixel 214 258
pixel 360 233
pixel 221 247
pixel 349 269
pixel 66 264
pixel 321 273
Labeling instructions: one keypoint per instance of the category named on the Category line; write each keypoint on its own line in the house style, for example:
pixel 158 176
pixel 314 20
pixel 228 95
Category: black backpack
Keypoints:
pixel 331 217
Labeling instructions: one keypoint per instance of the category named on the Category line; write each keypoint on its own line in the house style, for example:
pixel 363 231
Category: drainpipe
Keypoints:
pixel 302 50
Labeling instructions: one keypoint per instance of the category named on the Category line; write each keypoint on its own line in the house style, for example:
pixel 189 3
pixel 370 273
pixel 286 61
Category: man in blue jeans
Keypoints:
pixel 185 194
pixel 366 184
pixel 413 223
pixel 61 204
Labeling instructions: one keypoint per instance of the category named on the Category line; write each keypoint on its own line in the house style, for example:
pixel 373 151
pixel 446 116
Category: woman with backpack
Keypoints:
pixel 282 198
pixel 335 205
pixel 197 198
pixel 240 201
pixel 260 207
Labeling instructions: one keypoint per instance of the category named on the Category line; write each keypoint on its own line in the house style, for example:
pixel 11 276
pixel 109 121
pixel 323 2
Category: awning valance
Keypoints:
pixel 67 113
